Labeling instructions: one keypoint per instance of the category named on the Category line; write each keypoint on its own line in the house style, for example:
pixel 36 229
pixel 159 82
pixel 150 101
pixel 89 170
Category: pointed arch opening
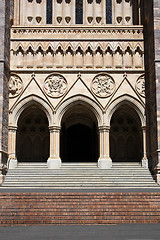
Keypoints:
pixel 32 140
pixel 126 135
pixel 79 136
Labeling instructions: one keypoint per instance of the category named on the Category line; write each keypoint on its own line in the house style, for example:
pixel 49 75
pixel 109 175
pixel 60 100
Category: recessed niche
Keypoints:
pixel 90 19
pixel 38 19
pixel 98 19
pixel 59 19
pixel 128 18
pixel 68 19
pixel 30 18
pixel 119 19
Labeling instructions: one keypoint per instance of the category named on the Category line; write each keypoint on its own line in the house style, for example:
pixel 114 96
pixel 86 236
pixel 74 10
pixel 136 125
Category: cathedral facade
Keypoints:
pixel 80 82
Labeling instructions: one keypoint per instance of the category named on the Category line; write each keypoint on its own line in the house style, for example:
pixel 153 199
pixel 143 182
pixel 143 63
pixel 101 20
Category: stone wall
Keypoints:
pixel 151 104
pixel 4 76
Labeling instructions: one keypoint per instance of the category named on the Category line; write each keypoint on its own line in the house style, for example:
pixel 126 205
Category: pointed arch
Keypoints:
pixel 128 100
pixel 83 100
pixel 26 102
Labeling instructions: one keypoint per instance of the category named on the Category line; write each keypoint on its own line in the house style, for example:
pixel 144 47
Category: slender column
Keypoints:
pixel 57 12
pixel 118 12
pixel 54 160
pixel 12 160
pixel 89 12
pixel 104 160
pixel 144 159
pixel 127 13
pixel 16 12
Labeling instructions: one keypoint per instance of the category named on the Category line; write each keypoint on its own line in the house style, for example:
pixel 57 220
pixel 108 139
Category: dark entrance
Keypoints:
pixel 125 136
pixel 32 143
pixel 79 140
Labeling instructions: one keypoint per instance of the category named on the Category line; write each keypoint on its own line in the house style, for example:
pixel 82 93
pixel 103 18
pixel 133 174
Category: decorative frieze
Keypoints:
pixel 77 55
pixel 107 32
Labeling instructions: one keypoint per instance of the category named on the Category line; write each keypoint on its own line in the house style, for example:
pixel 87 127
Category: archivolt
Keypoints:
pixel 132 102
pixel 90 104
pixel 28 101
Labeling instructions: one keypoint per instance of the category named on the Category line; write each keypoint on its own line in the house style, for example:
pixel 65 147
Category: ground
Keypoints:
pixel 108 232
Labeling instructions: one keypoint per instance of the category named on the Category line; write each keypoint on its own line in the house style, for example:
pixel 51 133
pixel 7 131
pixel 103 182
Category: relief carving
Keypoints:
pixel 103 85
pixel 55 85
pixel 15 85
pixel 140 85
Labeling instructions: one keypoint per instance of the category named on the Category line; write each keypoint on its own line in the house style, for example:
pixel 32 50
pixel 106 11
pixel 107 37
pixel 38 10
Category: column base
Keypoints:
pixel 157 173
pixel 105 163
pixel 144 163
pixel 12 163
pixel 53 163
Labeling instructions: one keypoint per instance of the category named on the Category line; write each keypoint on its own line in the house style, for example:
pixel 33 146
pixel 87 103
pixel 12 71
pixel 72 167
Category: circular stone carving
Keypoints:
pixel 103 85
pixel 55 85
pixel 15 85
pixel 140 85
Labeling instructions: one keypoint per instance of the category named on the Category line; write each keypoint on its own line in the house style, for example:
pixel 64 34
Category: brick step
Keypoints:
pixel 76 222
pixel 78 208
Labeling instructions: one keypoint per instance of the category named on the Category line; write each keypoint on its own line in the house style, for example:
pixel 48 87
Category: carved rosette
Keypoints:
pixel 55 85
pixel 140 86
pixel 103 85
pixel 15 85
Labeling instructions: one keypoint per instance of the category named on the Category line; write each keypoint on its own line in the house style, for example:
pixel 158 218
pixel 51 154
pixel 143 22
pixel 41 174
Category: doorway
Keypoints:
pixel 32 141
pixel 125 136
pixel 79 136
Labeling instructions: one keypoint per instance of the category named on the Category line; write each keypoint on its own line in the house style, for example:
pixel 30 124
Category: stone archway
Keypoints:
pixel 79 135
pixel 32 139
pixel 126 135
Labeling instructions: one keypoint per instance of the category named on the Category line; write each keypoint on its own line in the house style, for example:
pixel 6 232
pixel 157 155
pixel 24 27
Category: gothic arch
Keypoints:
pixel 26 102
pixel 128 100
pixel 93 106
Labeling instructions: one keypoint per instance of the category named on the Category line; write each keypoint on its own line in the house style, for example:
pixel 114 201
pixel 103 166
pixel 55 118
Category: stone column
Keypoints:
pixel 12 160
pixel 144 159
pixel 54 161
pixel 104 160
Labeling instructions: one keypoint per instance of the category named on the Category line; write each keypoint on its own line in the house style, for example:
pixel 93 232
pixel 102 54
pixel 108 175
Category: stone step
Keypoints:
pixel 11 177
pixel 79 175
pixel 80 184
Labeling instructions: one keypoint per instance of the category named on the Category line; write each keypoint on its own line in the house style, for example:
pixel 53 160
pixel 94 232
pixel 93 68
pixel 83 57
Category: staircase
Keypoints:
pixel 78 208
pixel 79 176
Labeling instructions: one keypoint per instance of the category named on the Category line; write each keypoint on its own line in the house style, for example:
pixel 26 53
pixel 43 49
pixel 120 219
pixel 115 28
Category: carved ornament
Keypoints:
pixel 140 86
pixel 55 85
pixel 103 85
pixel 15 85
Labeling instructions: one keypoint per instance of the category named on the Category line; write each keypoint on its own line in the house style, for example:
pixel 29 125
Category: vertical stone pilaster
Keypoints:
pixel 104 160
pixel 4 76
pixel 54 160
pixel 12 160
pixel 144 159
